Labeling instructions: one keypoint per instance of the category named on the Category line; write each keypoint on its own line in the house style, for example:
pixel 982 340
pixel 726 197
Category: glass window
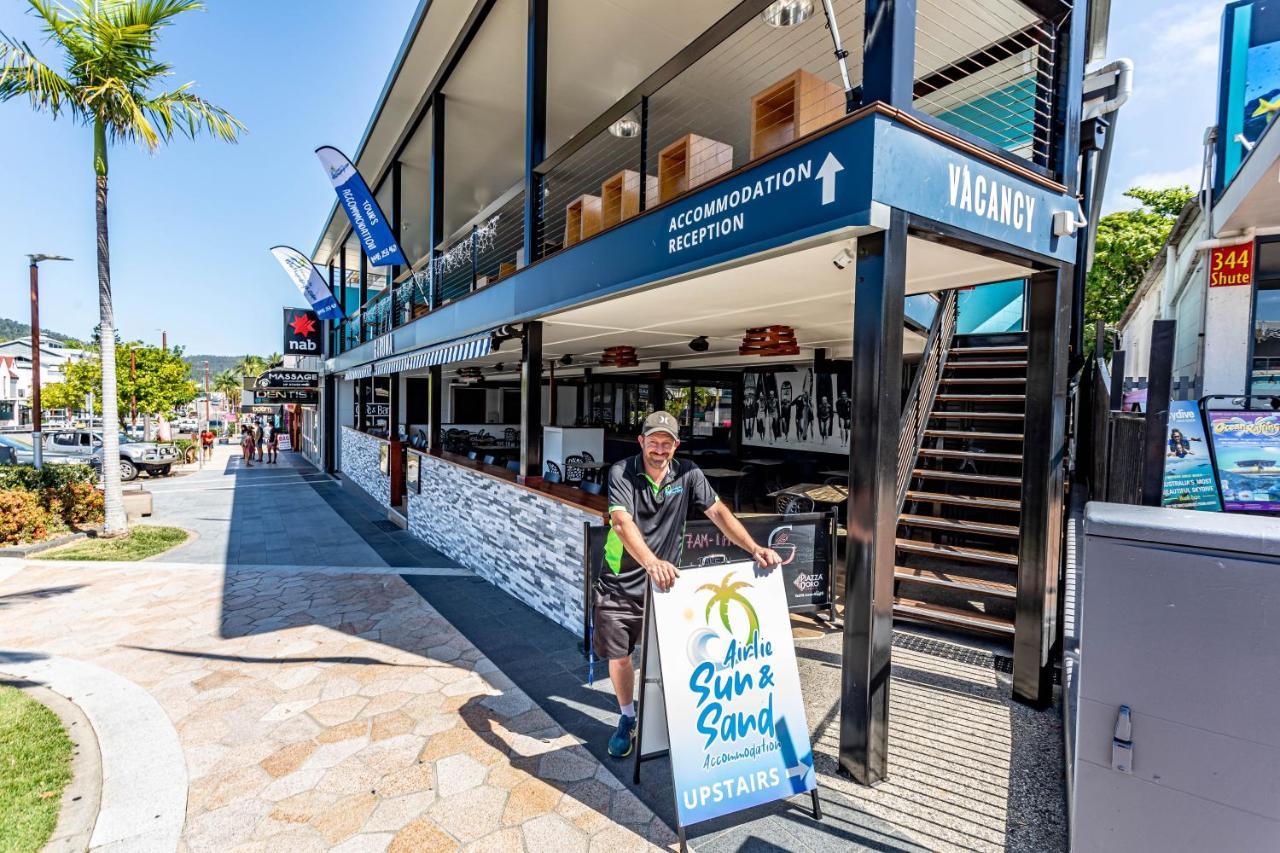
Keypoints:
pixel 1265 377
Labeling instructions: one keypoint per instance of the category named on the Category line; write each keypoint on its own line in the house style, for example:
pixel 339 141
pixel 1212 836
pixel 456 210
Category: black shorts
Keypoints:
pixel 618 623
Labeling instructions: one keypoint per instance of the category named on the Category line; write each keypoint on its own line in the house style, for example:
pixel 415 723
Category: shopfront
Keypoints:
pixel 773 251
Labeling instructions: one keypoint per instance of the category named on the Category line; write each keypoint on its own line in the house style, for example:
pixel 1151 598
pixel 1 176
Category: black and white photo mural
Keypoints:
pixel 794 408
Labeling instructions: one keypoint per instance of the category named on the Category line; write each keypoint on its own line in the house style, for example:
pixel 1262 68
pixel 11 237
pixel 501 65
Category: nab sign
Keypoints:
pixel 301 332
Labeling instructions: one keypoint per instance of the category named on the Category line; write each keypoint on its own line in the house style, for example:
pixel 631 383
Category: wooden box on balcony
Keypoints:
pixel 798 104
pixel 690 161
pixel 581 219
pixel 620 196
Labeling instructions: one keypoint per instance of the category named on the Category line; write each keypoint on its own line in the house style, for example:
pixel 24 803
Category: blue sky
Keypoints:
pixel 191 225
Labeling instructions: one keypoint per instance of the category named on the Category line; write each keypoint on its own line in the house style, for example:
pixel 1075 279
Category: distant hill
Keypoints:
pixel 10 329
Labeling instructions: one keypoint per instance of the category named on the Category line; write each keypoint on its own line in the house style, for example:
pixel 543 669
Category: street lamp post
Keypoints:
pixel 37 440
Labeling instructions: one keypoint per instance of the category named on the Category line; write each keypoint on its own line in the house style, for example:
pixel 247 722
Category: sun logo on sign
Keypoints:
pixel 726 593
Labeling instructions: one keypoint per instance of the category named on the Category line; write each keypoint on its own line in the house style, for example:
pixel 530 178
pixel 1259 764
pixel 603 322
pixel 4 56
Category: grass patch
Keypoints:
pixel 141 542
pixel 35 765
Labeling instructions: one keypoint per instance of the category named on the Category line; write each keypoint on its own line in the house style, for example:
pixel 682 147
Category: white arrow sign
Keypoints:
pixel 827 174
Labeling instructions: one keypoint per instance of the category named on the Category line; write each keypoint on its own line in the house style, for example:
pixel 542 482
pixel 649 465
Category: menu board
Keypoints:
pixel 1246 449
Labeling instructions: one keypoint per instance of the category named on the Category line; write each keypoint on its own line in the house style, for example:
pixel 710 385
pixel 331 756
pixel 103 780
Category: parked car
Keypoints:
pixel 79 445
pixel 20 446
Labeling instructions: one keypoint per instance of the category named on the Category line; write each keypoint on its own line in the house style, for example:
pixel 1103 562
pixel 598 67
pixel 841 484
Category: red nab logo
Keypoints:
pixel 301 331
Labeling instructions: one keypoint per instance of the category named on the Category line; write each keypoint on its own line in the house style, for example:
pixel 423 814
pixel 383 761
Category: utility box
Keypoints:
pixel 1177 621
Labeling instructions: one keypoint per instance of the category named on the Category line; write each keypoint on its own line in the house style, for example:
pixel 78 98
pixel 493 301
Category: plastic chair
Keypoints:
pixel 489 460
pixel 553 476
pixel 510 435
pixel 472 455
pixel 553 470
pixel 514 465
pixel 586 456
pixel 591 488
pixel 836 481
pixel 573 470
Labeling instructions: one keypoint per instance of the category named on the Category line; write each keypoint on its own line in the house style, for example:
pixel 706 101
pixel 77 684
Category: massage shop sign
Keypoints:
pixel 736 726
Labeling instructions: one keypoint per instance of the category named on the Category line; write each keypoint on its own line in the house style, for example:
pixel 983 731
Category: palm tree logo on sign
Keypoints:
pixel 725 594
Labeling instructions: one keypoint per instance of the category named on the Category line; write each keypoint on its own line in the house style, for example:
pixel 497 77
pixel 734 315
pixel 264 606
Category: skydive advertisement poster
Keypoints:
pixel 736 724
pixel 1246 446
pixel 1188 470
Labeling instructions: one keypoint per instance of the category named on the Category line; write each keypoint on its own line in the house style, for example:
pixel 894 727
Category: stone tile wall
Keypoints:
pixel 360 465
pixel 524 543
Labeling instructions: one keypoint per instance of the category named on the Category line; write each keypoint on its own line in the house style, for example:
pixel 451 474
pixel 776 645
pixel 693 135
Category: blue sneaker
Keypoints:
pixel 623 739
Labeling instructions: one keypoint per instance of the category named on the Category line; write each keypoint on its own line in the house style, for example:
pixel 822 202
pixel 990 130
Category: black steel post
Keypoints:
pixel 889 49
pixel 1117 380
pixel 330 422
pixel 535 127
pixel 584 398
pixel 876 385
pixel 644 154
pixel 1043 472
pixel 435 392
pixel 395 230
pixel 436 208
pixel 1159 382
pixel 364 283
pixel 393 407
pixel 531 401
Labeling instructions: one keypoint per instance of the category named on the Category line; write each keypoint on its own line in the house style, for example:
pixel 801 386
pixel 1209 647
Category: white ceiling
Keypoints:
pixel 801 289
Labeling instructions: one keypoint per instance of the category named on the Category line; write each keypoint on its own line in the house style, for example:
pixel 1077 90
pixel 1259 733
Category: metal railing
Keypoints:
pixel 924 390
pixel 988 71
pixel 759 89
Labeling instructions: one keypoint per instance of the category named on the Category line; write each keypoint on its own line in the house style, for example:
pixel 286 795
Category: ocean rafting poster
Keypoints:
pixel 1188 470
pixel 735 718
pixel 1246 446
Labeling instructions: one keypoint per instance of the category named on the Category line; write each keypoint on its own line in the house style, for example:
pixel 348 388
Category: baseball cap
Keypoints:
pixel 661 422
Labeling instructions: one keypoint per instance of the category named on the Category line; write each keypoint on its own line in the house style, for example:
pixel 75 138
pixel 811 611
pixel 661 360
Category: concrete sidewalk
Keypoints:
pixel 318 706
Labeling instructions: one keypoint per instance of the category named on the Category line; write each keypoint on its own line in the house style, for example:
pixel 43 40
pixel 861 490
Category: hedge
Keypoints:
pixel 35 503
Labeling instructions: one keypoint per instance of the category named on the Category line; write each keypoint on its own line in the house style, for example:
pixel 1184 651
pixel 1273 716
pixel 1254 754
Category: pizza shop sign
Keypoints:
pixel 1230 266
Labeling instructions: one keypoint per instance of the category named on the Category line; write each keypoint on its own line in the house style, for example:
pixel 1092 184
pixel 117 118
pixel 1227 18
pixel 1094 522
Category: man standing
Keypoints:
pixel 649 499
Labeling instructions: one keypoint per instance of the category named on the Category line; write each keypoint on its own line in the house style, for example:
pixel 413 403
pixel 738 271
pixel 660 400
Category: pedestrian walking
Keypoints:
pixel 273 443
pixel 649 499
pixel 246 445
pixel 257 437
pixel 206 442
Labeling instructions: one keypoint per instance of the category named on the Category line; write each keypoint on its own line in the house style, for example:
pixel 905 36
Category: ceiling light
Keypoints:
pixel 626 127
pixel 787 13
pixel 699 344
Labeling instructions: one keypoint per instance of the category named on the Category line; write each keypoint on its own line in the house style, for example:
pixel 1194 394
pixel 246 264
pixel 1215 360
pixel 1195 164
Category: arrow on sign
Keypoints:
pixel 827 174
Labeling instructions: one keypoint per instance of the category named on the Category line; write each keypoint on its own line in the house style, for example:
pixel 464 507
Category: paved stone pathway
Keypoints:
pixel 318 710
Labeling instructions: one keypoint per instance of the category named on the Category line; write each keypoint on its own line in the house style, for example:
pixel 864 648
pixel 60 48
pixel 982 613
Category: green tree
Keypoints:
pixel 110 81
pixel 160 380
pixel 60 395
pixel 251 365
pixel 1128 241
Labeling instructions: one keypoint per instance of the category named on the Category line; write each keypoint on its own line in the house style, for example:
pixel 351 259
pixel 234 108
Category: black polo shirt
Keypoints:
pixel 659 510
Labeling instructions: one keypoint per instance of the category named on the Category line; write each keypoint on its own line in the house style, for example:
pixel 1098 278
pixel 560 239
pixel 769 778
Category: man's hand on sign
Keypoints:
pixel 767 558
pixel 663 573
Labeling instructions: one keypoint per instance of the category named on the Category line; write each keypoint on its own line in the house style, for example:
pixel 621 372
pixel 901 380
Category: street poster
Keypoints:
pixel 283 442
pixel 1246 449
pixel 802 541
pixel 1189 482
pixel 731 691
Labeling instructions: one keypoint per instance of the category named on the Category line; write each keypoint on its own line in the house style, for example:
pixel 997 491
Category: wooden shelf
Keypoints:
pixel 796 105
pixel 690 161
pixel 581 219
pixel 620 196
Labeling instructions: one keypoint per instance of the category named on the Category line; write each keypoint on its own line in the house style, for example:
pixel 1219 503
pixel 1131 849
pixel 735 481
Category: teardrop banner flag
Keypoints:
pixel 310 282
pixel 367 220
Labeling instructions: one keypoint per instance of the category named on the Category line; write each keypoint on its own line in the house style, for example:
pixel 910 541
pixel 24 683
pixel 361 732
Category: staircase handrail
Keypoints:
pixel 924 391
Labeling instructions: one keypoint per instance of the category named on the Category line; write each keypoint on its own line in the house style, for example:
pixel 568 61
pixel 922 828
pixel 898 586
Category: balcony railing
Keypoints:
pixel 984 69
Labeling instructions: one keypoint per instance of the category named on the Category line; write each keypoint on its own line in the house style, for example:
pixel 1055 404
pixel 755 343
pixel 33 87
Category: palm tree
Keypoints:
pixel 725 593
pixel 109 82
pixel 250 365
pixel 227 382
pixel 274 360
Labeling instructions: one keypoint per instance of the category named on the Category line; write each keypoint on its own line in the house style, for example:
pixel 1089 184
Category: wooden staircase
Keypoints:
pixel 957 546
